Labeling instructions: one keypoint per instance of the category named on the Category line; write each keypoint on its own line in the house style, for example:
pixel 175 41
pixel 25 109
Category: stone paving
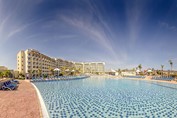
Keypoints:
pixel 21 103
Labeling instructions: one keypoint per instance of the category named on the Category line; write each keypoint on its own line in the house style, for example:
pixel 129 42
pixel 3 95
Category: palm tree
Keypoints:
pixel 52 71
pixel 39 72
pixel 33 73
pixel 171 64
pixel 162 70
pixel 119 71
pixel 140 66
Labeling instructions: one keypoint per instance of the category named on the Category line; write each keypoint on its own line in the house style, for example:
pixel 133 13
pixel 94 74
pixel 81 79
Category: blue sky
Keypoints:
pixel 122 33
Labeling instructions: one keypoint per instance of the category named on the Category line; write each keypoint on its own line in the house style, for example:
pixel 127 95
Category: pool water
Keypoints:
pixel 105 98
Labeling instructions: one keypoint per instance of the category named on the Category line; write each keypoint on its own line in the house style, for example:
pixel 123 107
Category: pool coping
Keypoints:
pixel 42 104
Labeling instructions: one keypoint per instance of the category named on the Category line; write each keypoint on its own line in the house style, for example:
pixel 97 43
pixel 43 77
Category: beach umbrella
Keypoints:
pixel 113 70
pixel 57 69
pixel 72 70
pixel 149 71
pixel 137 71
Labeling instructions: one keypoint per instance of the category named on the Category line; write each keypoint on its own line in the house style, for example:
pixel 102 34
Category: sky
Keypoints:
pixel 121 33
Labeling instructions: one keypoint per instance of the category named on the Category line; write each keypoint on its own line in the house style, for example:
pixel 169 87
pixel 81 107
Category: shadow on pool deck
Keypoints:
pixel 21 103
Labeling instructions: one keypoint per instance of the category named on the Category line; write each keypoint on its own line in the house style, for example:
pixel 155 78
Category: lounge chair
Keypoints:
pixel 9 86
pixel 15 81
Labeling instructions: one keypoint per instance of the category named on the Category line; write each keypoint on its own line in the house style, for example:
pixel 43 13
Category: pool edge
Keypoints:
pixel 42 104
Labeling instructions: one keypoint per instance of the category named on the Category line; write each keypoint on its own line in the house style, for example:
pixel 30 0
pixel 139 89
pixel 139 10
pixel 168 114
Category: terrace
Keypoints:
pixel 20 103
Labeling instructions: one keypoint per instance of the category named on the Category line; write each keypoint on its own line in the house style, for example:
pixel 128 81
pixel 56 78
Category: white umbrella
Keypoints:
pixel 56 69
pixel 149 71
pixel 72 70
pixel 113 70
pixel 137 71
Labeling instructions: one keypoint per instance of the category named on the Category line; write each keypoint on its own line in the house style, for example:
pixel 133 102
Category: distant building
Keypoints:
pixel 90 67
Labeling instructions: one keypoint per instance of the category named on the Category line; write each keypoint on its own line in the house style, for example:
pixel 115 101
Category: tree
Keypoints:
pixel 6 73
pixel 1 74
pixel 33 73
pixel 52 71
pixel 162 69
pixel 171 64
pixel 21 76
pixel 119 71
pixel 39 72
pixel 140 66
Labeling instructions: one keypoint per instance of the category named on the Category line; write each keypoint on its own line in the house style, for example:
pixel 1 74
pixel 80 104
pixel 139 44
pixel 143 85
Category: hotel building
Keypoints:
pixel 33 63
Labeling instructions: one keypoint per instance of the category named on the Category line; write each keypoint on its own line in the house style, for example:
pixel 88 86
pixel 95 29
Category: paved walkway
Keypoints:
pixel 21 103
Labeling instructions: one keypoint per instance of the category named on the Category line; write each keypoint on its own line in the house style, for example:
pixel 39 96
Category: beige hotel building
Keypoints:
pixel 32 62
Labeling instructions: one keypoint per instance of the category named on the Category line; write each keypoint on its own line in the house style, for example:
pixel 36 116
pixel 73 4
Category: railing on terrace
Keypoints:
pixel 59 78
pixel 139 77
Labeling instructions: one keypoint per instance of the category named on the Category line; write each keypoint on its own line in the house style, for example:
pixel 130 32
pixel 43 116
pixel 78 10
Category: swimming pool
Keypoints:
pixel 95 97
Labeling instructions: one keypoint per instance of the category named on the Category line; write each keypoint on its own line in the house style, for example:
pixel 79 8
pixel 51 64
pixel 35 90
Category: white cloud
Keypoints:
pixel 135 11
pixel 98 31
pixel 168 26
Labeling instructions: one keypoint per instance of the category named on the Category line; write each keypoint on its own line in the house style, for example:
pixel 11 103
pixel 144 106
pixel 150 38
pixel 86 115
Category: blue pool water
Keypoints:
pixel 97 98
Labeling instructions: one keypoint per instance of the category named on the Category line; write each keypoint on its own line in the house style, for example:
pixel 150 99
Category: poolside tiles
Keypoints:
pixel 92 98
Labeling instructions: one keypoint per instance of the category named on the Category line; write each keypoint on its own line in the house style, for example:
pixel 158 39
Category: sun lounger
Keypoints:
pixel 9 86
